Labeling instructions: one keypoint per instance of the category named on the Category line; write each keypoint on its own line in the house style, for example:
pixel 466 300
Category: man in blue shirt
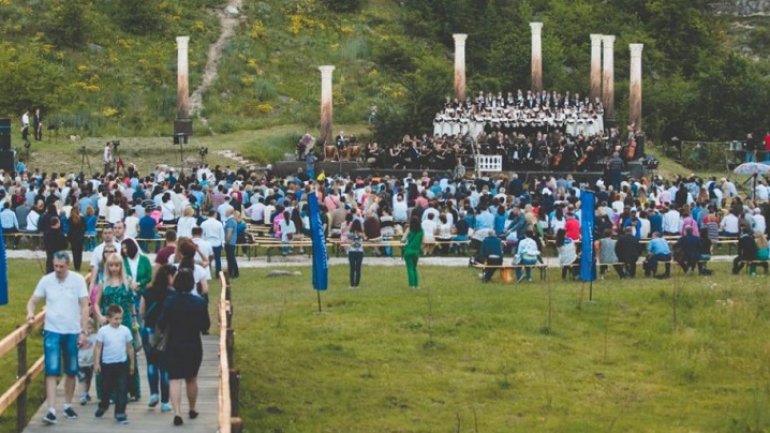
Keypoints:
pixel 658 251
pixel 231 240
pixel 8 219
pixel 490 254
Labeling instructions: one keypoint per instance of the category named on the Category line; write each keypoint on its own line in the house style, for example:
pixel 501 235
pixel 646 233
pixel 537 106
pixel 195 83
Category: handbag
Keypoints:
pixel 159 339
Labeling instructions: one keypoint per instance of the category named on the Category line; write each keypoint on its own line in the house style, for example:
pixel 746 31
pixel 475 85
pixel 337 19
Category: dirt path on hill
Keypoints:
pixel 229 22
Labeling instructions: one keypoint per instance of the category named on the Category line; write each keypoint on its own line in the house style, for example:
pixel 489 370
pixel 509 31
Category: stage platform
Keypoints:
pixel 355 169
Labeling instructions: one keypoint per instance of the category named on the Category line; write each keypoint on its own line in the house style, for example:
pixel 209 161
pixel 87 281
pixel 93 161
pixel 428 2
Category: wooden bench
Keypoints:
pixel 506 271
pixel 749 263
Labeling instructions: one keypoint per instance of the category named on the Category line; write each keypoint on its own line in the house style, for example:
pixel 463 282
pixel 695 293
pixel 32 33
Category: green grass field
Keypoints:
pixel 460 356
pixel 457 355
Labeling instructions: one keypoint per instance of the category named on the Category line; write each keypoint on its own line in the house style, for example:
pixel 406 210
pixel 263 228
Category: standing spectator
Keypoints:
pixel 184 317
pixel 150 309
pixel 231 242
pixel 355 238
pixel 54 241
pixel 76 237
pixel 147 230
pixel 185 224
pixel 214 234
pixel 25 126
pixel 162 257
pixel 114 359
pixel 8 219
pixel 413 239
pixel 429 229
pixel 205 252
pixel 627 250
pixel 137 267
pixel 90 228
pixel 38 123
pixel 132 224
pixel 66 322
pixel 568 258
pixel 107 158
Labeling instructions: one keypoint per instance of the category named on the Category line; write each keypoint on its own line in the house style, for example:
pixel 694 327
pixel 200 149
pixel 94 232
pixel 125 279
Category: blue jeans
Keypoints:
pixel 749 157
pixel 155 374
pixel 57 346
pixel 355 259
pixel 527 270
pixel 218 259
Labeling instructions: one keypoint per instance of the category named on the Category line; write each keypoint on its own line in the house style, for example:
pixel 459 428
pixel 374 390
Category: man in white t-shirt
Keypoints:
pixel 96 255
pixel 205 250
pixel 214 233
pixel 66 319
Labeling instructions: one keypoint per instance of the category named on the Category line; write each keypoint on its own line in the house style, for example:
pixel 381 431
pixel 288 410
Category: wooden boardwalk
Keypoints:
pixel 140 417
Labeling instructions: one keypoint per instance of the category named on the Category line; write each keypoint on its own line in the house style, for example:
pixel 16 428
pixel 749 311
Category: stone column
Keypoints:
pixel 608 77
pixel 326 103
pixel 596 67
pixel 537 56
pixel 182 82
pixel 460 65
pixel 635 86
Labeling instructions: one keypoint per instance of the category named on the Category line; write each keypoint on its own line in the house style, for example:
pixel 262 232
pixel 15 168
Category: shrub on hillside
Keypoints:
pixel 345 6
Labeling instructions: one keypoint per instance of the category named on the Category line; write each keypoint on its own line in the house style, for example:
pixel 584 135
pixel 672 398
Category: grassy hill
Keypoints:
pixel 108 68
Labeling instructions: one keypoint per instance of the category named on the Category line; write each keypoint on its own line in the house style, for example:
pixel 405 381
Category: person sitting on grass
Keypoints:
pixel 114 358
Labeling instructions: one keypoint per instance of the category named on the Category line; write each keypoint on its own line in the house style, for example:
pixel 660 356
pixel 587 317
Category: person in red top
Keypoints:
pixel 767 146
pixel 161 258
pixel 572 226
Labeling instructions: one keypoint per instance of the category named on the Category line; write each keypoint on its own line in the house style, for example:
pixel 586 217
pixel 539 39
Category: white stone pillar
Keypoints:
pixel 608 77
pixel 182 81
pixel 326 103
pixel 460 65
pixel 537 56
pixel 635 86
pixel 596 67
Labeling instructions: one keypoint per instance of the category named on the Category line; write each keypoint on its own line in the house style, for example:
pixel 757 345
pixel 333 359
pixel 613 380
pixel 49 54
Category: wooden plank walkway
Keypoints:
pixel 140 417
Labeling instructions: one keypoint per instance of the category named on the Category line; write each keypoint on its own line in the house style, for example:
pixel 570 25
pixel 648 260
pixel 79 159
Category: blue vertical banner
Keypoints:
pixel 587 209
pixel 320 258
pixel 3 271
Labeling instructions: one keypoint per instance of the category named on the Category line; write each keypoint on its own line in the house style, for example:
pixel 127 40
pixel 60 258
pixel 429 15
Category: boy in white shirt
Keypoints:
pixel 114 359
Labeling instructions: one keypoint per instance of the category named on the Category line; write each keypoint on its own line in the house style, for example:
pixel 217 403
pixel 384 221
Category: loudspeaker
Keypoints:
pixel 7 162
pixel 183 127
pixel 5 134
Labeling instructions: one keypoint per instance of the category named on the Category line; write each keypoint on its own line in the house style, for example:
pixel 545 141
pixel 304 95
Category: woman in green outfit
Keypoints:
pixel 115 290
pixel 413 244
pixel 138 269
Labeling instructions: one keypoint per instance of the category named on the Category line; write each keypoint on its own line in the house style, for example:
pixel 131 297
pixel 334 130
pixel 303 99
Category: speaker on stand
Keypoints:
pixel 7 162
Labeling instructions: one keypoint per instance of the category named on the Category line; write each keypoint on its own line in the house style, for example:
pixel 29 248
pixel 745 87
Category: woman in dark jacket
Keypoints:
pixel 184 317
pixel 76 236
pixel 54 241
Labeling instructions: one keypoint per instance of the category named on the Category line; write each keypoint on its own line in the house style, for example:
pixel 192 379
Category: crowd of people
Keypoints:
pixel 133 304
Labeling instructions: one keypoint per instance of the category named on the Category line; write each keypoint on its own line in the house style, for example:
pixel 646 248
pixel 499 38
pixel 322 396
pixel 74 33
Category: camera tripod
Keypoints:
pixel 84 160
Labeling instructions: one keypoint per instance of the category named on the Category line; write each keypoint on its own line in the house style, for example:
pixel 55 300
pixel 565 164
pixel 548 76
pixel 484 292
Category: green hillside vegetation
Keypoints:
pixel 108 68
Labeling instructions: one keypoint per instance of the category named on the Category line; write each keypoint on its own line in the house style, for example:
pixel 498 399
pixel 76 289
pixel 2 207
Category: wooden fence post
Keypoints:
pixel 21 401
pixel 235 388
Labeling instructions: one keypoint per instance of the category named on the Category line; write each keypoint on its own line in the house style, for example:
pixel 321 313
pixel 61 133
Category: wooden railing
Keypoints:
pixel 229 378
pixel 18 391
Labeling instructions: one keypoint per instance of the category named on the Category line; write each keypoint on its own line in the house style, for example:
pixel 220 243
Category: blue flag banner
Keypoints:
pixel 320 259
pixel 587 206
pixel 3 271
